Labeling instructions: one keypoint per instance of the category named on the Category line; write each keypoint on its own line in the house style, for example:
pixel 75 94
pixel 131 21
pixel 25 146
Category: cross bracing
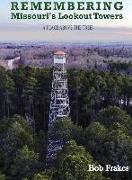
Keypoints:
pixel 59 104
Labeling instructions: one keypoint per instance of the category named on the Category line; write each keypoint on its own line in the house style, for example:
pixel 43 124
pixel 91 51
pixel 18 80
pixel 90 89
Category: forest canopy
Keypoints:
pixel 98 131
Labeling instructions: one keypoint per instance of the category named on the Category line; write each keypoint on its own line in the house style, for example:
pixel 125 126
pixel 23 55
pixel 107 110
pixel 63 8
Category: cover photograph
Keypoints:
pixel 65 90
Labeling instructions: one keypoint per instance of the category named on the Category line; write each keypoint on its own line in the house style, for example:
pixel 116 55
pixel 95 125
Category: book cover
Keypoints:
pixel 65 90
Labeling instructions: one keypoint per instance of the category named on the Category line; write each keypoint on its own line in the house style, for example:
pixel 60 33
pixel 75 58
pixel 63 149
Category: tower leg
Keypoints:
pixel 59 108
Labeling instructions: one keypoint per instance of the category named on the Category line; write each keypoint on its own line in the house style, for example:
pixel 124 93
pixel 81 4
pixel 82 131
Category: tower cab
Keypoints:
pixel 59 57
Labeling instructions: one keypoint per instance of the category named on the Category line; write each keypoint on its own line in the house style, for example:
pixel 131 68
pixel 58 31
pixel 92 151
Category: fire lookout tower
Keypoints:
pixel 59 104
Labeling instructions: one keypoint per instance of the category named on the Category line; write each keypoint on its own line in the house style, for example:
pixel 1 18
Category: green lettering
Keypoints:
pixel 71 6
pixel 80 6
pixel 118 6
pixel 24 5
pixel 14 6
pixel 36 6
pixel 59 6
pixel 107 5
pixel 47 6
pixel 90 5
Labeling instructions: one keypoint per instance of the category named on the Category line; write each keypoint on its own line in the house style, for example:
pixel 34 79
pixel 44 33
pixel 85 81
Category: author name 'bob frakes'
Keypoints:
pixel 108 168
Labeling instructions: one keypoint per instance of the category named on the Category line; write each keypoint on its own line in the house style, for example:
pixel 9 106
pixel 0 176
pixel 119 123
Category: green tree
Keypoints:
pixel 6 92
pixel 19 77
pixel 126 92
pixel 74 163
pixel 111 116
pixel 25 163
pixel 74 82
pixel 117 150
pixel 42 98
pixel 61 129
pixel 41 176
pixel 14 134
pixel 2 176
pixel 29 92
pixel 95 135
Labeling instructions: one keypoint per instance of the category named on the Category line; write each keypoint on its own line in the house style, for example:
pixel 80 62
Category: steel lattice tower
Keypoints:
pixel 59 105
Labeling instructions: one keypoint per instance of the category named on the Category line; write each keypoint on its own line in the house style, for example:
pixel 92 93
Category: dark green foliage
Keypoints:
pixel 100 122
pixel 74 163
pixel 6 93
pixel 114 117
pixel 110 142
pixel 41 176
pixel 120 67
pixel 15 133
pixel 2 176
pixel 61 130
pixel 25 163
pixel 90 91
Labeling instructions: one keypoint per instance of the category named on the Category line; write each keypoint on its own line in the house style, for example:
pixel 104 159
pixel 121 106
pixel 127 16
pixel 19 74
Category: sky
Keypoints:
pixel 104 30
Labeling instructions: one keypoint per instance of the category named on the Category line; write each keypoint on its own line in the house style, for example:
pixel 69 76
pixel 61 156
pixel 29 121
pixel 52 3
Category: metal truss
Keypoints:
pixel 59 108
pixel 59 105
